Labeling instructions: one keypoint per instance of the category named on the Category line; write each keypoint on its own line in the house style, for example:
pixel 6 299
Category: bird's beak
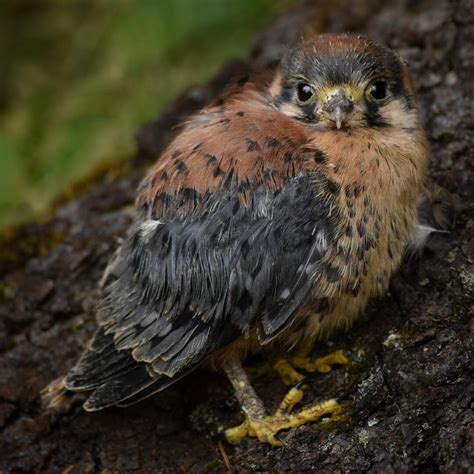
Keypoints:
pixel 337 107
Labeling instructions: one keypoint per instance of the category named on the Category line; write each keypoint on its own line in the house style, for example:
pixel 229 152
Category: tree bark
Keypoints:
pixel 411 394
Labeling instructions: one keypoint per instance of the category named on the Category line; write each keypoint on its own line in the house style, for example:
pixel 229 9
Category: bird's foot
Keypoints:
pixel 290 376
pixel 323 364
pixel 286 368
pixel 266 428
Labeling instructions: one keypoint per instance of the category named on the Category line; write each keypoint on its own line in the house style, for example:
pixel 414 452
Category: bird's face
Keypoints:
pixel 344 82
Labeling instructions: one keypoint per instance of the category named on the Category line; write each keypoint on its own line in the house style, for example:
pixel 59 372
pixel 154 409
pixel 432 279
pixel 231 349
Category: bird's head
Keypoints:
pixel 344 82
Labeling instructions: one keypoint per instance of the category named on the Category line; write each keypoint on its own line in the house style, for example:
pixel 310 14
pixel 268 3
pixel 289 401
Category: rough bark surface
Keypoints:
pixel 411 408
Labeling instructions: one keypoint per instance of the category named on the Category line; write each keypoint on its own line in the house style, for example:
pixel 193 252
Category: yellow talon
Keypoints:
pixel 237 433
pixel 321 364
pixel 288 374
pixel 294 396
pixel 267 427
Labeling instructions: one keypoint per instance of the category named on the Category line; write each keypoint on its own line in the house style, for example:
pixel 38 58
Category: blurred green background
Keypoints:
pixel 79 77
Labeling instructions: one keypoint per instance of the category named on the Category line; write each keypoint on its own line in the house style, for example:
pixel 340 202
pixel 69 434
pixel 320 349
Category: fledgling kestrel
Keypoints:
pixel 266 224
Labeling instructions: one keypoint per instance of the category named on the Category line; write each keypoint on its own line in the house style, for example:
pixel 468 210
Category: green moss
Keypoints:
pixel 77 79
pixel 110 169
pixel 19 243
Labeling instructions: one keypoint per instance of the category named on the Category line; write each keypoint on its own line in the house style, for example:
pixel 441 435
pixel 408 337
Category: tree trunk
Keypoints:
pixel 411 394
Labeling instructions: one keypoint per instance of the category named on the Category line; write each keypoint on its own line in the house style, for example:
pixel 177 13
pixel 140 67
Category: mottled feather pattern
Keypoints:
pixel 255 229
pixel 204 266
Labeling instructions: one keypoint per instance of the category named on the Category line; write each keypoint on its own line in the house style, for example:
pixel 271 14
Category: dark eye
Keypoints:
pixel 305 92
pixel 378 90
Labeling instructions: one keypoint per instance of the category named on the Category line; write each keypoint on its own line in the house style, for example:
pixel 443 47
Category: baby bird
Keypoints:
pixel 266 224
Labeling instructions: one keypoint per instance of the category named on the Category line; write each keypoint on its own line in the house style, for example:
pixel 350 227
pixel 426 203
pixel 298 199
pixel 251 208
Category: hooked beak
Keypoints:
pixel 337 107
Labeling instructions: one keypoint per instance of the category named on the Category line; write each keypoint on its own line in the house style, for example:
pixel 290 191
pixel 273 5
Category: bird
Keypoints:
pixel 266 225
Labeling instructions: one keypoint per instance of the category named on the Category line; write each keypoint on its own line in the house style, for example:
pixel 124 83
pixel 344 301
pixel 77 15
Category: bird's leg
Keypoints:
pixel 290 376
pixel 257 423
pixel 251 404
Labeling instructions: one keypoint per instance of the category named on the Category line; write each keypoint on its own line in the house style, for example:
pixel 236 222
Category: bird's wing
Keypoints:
pixel 208 263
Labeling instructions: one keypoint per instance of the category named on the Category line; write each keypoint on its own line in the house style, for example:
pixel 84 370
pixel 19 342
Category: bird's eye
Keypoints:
pixel 305 92
pixel 377 90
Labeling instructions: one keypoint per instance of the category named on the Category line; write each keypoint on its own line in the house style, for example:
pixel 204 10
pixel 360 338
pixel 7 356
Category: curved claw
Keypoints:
pixel 306 382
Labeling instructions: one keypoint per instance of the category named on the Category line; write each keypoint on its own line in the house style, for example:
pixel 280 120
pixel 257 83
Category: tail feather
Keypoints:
pixel 160 384
pixel 120 388
pixel 114 377
pixel 101 363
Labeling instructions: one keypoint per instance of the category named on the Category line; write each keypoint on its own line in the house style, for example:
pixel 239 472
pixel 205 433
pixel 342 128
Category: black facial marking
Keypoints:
pixel 252 145
pixel 307 113
pixel 164 176
pixel 373 117
pixel 224 120
pixel 240 113
pixel 332 66
pixel 288 157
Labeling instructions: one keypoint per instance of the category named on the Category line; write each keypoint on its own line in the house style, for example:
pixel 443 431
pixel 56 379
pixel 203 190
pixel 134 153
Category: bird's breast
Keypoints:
pixel 373 184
